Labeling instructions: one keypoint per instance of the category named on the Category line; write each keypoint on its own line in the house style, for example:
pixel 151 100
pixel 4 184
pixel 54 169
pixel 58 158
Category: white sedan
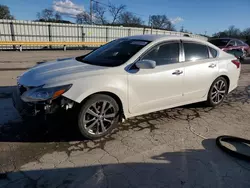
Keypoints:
pixel 128 77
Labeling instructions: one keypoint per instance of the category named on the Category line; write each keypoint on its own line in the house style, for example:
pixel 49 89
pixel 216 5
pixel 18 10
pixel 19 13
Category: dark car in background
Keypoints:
pixel 232 46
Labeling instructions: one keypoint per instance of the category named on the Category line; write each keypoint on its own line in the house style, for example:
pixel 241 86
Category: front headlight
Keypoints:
pixel 44 94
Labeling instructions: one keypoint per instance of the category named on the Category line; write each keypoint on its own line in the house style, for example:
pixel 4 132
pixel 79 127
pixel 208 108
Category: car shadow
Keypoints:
pixel 208 167
pixel 62 127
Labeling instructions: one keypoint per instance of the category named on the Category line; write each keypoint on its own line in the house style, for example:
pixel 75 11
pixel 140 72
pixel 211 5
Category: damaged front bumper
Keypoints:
pixel 39 108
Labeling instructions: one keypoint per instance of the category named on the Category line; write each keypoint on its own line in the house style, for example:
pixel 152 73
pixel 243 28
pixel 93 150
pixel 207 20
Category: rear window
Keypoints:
pixel 213 52
pixel 219 42
pixel 194 51
pixel 239 43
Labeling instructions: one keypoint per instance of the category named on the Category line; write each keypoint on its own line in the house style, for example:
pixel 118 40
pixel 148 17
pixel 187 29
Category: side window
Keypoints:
pixel 213 52
pixel 232 43
pixel 239 43
pixel 194 51
pixel 164 54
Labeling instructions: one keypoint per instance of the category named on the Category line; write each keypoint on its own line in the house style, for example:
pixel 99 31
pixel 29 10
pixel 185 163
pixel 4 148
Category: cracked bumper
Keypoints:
pixel 24 109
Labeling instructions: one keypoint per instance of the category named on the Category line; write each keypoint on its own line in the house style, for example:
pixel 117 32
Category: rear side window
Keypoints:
pixel 194 51
pixel 239 43
pixel 213 52
pixel 164 54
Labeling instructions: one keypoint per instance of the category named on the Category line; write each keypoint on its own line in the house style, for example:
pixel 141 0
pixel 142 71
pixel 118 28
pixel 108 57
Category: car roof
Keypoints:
pixel 158 37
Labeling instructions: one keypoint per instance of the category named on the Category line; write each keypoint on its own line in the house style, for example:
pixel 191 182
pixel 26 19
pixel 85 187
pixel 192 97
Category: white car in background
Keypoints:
pixel 129 77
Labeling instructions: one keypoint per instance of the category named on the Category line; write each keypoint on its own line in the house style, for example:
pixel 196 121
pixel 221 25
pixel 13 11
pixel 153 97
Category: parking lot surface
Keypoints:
pixel 169 148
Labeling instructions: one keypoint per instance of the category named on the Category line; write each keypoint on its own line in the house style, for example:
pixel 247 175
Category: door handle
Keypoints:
pixel 212 65
pixel 177 72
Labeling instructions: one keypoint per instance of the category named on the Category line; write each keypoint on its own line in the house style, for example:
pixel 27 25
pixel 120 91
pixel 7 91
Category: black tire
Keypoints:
pixel 97 98
pixel 226 138
pixel 210 102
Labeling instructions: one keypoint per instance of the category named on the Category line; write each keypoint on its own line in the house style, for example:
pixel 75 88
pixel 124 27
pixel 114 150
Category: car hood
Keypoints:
pixel 60 70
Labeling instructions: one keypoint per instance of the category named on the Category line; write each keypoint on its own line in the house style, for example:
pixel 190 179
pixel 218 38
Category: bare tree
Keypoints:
pixel 46 15
pixel 182 29
pixel 115 11
pixel 99 14
pixel 162 22
pixel 233 31
pixel 83 18
pixel 5 13
pixel 171 27
pixel 246 32
pixel 129 19
pixel 58 16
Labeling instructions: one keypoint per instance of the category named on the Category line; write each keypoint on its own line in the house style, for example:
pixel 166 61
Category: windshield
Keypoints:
pixel 219 42
pixel 114 53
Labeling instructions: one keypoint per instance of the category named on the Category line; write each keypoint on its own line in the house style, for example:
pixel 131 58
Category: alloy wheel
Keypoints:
pixel 218 91
pixel 99 117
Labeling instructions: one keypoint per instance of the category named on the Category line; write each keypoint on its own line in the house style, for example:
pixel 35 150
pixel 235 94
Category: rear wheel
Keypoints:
pixel 217 92
pixel 98 116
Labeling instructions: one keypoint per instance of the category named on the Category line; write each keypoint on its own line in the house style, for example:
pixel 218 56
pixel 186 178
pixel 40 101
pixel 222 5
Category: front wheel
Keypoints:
pixel 217 92
pixel 98 116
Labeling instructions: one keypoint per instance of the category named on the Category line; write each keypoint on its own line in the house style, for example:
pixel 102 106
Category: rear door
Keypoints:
pixel 201 69
pixel 241 45
pixel 238 49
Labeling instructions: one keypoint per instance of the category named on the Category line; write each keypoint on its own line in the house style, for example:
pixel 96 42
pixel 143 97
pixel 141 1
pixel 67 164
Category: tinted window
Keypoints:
pixel 195 51
pixel 239 43
pixel 114 53
pixel 164 54
pixel 219 42
pixel 213 52
pixel 232 43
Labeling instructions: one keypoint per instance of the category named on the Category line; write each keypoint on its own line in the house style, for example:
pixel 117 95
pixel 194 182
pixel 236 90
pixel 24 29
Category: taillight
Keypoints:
pixel 237 63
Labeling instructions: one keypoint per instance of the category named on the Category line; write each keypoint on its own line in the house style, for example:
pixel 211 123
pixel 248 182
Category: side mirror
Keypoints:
pixel 229 45
pixel 145 64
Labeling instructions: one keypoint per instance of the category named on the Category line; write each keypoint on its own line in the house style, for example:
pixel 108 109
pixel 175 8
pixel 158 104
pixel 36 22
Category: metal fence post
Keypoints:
pixel 144 30
pixel 83 34
pixel 50 37
pixel 129 32
pixel 12 32
pixel 107 34
pixel 78 35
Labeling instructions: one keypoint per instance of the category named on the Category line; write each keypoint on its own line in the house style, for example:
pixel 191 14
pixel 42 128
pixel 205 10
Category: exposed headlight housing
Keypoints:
pixel 43 94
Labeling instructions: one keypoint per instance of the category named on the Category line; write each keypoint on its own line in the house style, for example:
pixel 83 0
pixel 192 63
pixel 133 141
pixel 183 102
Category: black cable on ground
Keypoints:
pixel 229 151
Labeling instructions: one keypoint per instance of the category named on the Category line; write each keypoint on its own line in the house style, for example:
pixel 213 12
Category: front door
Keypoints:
pixel 155 89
